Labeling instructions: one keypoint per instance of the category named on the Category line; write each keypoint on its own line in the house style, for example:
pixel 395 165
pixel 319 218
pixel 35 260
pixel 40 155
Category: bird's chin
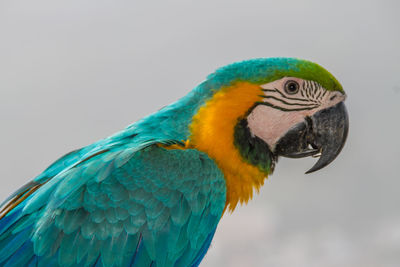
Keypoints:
pixel 321 135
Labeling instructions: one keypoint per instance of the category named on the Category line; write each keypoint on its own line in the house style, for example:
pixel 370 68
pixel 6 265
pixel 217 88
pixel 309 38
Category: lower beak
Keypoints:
pixel 324 134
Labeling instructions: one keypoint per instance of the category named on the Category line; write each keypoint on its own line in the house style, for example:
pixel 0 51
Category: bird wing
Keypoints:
pixel 121 206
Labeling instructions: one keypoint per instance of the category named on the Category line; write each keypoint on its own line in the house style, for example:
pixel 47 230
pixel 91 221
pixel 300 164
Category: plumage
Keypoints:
pixel 153 193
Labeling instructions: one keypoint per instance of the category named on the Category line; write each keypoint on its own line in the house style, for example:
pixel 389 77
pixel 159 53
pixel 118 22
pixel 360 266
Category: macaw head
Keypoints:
pixel 262 109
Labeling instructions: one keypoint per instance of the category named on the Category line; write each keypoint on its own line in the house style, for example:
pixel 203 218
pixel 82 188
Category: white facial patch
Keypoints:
pixel 281 111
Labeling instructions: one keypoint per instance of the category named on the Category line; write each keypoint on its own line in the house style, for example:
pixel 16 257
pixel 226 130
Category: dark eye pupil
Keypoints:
pixel 292 87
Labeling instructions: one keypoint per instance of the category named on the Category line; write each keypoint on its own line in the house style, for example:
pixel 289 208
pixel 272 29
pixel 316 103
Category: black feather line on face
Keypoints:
pixel 302 89
pixel 286 109
pixel 290 98
pixel 253 149
pixel 319 94
pixel 313 89
pixel 287 103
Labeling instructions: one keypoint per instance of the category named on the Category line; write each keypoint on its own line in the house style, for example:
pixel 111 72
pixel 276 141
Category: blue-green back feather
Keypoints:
pixel 143 209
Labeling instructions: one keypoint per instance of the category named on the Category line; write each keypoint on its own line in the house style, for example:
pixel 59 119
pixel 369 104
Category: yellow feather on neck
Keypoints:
pixel 212 131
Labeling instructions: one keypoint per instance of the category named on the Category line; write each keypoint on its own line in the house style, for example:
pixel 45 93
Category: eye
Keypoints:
pixel 291 87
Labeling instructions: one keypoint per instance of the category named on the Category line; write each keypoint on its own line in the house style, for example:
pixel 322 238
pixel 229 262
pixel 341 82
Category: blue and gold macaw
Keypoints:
pixel 153 193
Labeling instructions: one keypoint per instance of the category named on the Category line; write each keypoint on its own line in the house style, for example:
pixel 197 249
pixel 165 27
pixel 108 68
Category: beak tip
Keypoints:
pixel 312 170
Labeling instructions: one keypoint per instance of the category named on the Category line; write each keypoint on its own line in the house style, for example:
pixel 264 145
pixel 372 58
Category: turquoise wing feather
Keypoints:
pixel 120 204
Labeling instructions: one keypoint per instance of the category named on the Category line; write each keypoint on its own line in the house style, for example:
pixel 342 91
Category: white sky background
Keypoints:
pixel 73 72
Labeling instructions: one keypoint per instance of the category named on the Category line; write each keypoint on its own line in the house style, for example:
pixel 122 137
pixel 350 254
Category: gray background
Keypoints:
pixel 72 72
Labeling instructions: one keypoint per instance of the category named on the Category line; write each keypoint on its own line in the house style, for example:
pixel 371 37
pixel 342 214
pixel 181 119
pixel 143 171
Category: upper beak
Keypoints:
pixel 324 134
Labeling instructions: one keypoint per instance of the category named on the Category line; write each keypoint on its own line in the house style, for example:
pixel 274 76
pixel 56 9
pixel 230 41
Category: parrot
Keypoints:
pixel 153 193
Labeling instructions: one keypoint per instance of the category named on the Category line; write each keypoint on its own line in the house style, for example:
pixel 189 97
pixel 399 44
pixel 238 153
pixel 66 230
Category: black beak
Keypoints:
pixel 323 134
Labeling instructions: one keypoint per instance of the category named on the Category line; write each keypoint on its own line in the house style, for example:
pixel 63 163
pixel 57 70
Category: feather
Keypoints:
pixel 68 252
pixel 73 220
pixel 180 212
pixel 44 238
pixel 121 214
pixel 93 252
pixel 11 244
pixel 22 256
pixel 9 220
